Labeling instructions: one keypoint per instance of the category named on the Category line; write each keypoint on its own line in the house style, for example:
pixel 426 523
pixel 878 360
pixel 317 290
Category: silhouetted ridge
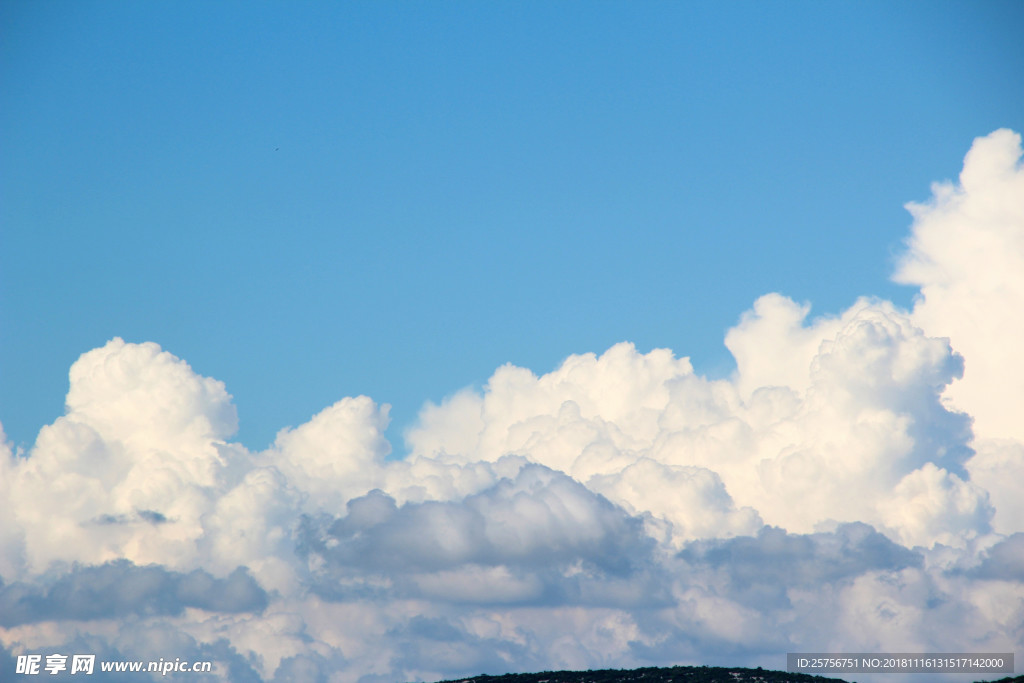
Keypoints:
pixel 675 674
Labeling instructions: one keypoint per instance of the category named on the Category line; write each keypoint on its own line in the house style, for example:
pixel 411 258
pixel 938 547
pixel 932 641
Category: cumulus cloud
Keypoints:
pixel 540 517
pixel 539 538
pixel 855 486
pixel 120 589
pixel 760 570
pixel 142 440
pixel 862 423
pixel 966 254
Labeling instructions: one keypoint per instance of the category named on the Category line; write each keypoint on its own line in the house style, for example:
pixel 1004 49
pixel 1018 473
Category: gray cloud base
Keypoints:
pixel 121 589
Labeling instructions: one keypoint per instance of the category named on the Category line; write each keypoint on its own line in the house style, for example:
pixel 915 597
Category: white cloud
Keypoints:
pixel 619 511
pixel 996 468
pixel 336 454
pixel 966 253
pixel 693 498
pixel 840 435
pixel 141 443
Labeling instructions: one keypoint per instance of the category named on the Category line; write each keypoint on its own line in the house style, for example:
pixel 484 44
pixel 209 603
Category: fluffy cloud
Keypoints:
pixel 856 486
pixel 966 253
pixel 540 517
pixel 862 425
pixel 141 445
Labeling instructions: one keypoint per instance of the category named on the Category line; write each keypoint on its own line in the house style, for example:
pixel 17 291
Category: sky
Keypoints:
pixel 397 342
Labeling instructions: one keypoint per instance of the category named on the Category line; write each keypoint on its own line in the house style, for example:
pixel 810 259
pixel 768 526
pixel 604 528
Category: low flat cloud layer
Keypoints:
pixel 857 485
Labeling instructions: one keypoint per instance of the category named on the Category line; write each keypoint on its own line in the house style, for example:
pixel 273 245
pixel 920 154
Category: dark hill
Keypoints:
pixel 675 674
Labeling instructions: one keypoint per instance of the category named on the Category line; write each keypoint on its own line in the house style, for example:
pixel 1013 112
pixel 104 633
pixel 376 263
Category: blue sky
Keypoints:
pixel 315 200
pixel 699 324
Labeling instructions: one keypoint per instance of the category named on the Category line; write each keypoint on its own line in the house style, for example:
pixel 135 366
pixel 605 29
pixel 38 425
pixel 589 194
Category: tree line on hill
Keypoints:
pixel 674 674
